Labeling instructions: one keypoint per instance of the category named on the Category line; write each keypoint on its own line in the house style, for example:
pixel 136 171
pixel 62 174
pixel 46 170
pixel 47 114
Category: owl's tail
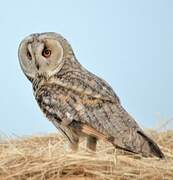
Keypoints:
pixel 141 144
pixel 137 142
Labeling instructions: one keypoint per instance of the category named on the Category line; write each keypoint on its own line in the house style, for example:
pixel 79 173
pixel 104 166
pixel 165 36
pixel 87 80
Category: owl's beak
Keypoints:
pixel 37 48
pixel 37 65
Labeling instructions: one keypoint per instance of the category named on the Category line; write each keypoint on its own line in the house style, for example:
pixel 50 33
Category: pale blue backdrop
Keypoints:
pixel 128 43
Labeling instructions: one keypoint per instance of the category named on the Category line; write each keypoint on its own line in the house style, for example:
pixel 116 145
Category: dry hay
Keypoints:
pixel 48 157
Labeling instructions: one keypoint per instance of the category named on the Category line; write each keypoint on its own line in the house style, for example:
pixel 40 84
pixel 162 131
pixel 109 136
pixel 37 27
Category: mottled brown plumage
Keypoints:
pixel 76 101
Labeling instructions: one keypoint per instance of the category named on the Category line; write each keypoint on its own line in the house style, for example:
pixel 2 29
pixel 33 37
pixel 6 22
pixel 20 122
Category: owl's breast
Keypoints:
pixel 46 97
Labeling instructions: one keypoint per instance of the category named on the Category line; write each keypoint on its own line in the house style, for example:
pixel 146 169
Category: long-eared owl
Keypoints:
pixel 76 101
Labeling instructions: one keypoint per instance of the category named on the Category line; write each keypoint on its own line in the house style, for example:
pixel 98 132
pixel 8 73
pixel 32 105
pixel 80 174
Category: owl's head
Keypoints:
pixel 43 53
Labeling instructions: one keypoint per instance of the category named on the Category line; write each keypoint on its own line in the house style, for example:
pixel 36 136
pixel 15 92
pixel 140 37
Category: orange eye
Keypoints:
pixel 46 52
pixel 29 55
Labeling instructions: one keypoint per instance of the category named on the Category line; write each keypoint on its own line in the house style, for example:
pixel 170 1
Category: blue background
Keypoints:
pixel 128 43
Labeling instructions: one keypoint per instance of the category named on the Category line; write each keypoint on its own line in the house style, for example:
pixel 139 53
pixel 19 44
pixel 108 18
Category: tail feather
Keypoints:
pixel 138 142
pixel 153 147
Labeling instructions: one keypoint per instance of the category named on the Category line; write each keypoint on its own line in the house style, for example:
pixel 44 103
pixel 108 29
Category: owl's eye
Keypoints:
pixel 46 52
pixel 29 55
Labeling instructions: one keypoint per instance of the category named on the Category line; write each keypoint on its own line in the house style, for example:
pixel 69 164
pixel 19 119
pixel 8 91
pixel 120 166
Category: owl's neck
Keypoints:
pixel 38 81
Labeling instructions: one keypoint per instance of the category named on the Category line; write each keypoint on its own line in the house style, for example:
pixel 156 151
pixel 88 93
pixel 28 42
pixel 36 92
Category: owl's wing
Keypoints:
pixel 98 112
pixel 86 83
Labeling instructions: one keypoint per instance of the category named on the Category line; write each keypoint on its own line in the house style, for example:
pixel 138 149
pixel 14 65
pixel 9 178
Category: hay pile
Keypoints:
pixel 48 157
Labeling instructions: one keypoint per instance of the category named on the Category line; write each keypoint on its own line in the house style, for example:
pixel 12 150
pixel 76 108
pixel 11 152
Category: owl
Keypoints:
pixel 77 102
